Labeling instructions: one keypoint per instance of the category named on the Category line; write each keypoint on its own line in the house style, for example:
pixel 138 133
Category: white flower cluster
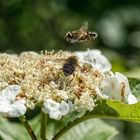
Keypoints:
pixel 30 79
pixel 9 105
pixel 116 86
pixel 54 109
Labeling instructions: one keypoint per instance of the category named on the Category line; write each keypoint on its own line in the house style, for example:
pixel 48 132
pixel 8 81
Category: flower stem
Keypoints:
pixel 28 127
pixel 43 126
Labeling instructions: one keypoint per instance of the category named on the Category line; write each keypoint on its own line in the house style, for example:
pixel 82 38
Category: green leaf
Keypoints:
pixel 14 131
pixel 89 130
pixel 108 109
pixel 115 110
pixel 135 86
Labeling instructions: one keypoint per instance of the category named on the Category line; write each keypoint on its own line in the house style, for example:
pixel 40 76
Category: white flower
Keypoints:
pixel 9 106
pixel 55 110
pixel 130 98
pixel 100 95
pixel 71 106
pixel 117 87
pixel 96 59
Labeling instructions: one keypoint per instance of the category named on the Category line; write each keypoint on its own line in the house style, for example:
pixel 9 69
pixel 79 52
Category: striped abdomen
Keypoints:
pixel 68 68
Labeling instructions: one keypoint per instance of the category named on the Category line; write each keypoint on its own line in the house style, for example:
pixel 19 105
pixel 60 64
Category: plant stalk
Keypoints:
pixel 43 126
pixel 28 127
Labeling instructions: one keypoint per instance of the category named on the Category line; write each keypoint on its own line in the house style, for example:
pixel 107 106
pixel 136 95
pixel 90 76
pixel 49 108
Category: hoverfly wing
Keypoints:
pixel 57 60
pixel 84 26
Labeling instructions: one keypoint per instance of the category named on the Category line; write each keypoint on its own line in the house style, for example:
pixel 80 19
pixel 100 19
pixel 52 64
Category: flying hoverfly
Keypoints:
pixel 80 35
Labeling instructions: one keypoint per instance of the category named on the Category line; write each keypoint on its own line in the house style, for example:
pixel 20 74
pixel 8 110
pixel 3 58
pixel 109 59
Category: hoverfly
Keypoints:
pixel 80 35
pixel 70 65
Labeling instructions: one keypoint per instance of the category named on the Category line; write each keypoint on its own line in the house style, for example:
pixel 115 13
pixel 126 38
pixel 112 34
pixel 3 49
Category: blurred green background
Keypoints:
pixel 41 24
pixel 35 25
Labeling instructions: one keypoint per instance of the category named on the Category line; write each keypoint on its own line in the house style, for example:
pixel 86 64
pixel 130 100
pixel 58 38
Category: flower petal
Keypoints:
pixel 49 105
pixel 52 108
pixel 123 78
pixel 110 87
pixel 4 108
pixel 117 87
pixel 131 99
pixel 10 92
pixel 17 108
pixel 96 59
pixel 64 108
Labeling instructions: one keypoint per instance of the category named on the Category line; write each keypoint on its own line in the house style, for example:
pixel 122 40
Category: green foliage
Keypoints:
pixel 116 110
pixel 91 129
pixel 135 87
pixel 11 131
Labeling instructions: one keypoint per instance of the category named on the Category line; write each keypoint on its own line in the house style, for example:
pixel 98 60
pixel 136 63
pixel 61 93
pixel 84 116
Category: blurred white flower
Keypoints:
pixel 100 95
pixel 71 106
pixel 55 110
pixel 9 106
pixel 117 87
pixel 96 59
